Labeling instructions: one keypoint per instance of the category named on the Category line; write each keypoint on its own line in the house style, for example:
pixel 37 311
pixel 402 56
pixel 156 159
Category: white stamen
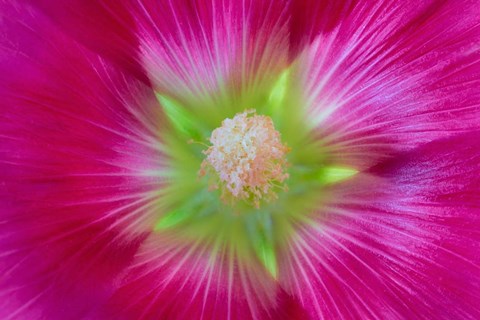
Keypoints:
pixel 247 157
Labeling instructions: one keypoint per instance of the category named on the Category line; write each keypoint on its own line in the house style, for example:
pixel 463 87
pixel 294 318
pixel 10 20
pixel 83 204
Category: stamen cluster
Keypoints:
pixel 246 159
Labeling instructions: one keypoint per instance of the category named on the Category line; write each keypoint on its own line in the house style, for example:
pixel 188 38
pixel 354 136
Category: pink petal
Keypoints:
pixel 106 27
pixel 76 136
pixel 312 17
pixel 392 75
pixel 175 280
pixel 202 47
pixel 401 242
pixel 196 45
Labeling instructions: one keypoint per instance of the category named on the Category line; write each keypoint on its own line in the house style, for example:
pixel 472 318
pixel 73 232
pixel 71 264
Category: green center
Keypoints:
pixel 256 233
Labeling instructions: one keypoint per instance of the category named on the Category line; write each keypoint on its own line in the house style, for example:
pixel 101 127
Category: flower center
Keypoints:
pixel 247 160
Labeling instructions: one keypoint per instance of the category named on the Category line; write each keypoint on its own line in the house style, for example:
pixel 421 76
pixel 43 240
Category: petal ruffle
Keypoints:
pixel 393 75
pixel 401 244
pixel 77 137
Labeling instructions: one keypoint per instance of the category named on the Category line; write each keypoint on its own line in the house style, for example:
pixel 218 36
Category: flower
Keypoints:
pixel 239 159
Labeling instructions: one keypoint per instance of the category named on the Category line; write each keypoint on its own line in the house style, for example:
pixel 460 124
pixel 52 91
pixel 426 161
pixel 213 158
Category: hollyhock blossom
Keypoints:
pixel 239 159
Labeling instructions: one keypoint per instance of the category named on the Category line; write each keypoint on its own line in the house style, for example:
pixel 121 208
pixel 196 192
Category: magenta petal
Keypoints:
pixel 171 280
pixel 75 135
pixel 393 75
pixel 105 27
pixel 203 47
pixel 309 18
pixel 401 244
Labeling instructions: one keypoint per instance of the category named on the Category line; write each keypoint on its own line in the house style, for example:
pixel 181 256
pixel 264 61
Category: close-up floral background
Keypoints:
pixel 239 159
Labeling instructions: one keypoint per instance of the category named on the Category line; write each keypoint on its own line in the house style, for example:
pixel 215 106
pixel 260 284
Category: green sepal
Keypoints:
pixel 179 117
pixel 268 257
pixel 331 175
pixel 171 219
pixel 264 244
pixel 279 89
